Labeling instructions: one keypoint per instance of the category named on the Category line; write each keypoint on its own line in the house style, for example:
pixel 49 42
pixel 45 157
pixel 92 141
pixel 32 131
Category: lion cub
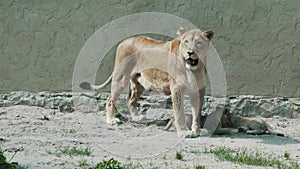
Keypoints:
pixel 232 124
pixel 219 130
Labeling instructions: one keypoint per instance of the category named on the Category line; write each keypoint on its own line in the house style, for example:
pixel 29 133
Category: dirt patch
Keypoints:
pixel 37 137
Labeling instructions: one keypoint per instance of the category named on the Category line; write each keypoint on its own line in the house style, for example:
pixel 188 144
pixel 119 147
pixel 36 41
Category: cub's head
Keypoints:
pixel 226 118
pixel 193 47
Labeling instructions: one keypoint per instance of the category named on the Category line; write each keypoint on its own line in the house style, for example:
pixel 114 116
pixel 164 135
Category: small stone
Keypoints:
pixel 3 113
pixel 295 101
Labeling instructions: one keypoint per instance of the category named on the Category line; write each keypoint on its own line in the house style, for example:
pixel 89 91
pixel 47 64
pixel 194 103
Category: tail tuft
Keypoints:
pixel 85 86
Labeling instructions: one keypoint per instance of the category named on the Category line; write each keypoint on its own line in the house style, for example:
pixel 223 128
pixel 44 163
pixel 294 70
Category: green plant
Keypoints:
pixel 199 167
pixel 2 140
pixel 178 155
pixel 109 164
pixel 286 155
pixel 76 152
pixel 131 165
pixel 195 151
pixel 256 159
pixel 83 163
pixel 243 157
pixel 69 131
pixel 165 157
pixel 4 163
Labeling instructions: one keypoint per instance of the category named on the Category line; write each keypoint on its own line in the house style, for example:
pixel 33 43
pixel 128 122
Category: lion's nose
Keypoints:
pixel 190 53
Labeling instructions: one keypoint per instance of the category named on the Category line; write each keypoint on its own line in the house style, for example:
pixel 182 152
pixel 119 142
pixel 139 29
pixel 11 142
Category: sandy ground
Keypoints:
pixel 34 137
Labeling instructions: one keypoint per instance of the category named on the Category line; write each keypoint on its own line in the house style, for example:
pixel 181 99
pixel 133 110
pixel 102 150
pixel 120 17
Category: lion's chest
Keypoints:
pixel 155 80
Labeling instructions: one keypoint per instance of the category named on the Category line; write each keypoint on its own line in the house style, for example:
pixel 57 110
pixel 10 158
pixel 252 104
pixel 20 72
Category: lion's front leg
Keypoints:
pixel 196 103
pixel 180 122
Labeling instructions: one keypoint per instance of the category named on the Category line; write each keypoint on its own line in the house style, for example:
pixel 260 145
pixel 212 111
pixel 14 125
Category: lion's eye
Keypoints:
pixel 186 41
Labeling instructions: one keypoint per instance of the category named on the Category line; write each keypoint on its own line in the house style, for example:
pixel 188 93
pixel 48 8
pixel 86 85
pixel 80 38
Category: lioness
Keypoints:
pixel 172 67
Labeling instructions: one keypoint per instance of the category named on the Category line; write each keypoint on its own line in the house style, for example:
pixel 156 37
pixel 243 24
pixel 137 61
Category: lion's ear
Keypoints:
pixel 180 31
pixel 209 34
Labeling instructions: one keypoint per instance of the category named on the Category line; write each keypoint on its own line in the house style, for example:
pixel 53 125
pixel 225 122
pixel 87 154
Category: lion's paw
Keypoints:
pixel 187 134
pixel 191 134
pixel 204 132
pixel 113 121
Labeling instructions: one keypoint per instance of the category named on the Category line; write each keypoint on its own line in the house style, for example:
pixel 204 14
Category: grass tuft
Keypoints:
pixel 199 167
pixel 69 131
pixel 195 151
pixel 255 159
pixel 131 165
pixel 76 152
pixel 109 164
pixel 286 155
pixel 178 155
pixel 4 163
pixel 83 163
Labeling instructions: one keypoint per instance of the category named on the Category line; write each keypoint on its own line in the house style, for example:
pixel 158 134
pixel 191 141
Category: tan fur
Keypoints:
pixel 232 124
pixel 165 67
pixel 188 121
pixel 251 125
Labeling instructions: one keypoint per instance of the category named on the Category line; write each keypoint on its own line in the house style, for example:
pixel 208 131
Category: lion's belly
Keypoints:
pixel 155 80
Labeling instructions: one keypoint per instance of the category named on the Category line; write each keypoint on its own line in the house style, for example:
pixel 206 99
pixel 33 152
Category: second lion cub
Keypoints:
pixel 232 124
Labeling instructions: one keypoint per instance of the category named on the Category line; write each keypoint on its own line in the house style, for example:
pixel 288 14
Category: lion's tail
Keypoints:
pixel 88 86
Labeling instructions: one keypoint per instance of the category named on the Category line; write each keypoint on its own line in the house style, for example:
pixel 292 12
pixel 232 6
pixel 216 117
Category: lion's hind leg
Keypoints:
pixel 110 112
pixel 116 90
pixel 135 91
pixel 120 79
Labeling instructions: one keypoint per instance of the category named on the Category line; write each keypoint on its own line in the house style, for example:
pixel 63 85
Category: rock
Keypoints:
pixel 85 104
pixel 66 106
pixel 89 102
pixel 259 106
pixel 3 113
pixel 295 101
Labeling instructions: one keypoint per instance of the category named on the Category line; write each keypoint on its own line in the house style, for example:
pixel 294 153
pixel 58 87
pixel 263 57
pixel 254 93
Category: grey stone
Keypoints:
pixel 295 101
pixel 69 102
pixel 260 106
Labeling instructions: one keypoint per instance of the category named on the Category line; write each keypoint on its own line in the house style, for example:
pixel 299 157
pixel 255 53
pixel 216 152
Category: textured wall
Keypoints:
pixel 257 40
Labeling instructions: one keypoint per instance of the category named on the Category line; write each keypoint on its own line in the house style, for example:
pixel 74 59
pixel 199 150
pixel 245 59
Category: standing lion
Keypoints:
pixel 173 67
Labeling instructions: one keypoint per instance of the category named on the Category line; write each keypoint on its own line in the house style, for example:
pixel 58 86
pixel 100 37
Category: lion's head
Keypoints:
pixel 194 46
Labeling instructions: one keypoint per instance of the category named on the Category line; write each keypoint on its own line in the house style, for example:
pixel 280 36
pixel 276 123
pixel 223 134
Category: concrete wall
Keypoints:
pixel 257 40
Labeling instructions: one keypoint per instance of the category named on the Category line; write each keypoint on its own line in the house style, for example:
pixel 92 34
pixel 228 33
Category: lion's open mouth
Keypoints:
pixel 192 62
